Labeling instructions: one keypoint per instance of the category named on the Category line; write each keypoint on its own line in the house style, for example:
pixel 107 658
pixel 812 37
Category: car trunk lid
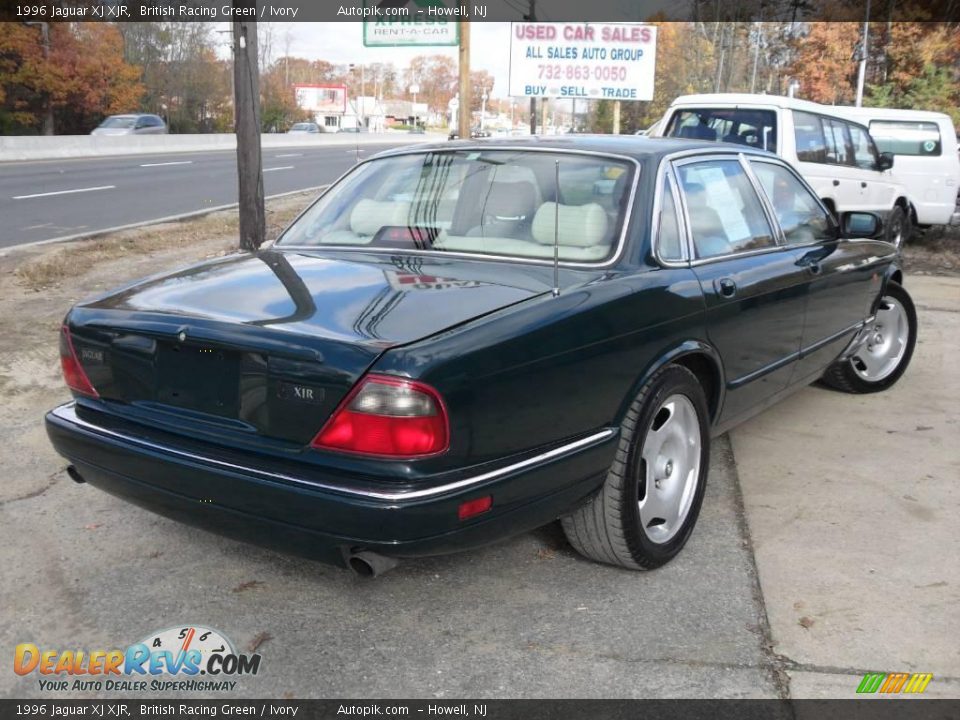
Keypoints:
pixel 267 345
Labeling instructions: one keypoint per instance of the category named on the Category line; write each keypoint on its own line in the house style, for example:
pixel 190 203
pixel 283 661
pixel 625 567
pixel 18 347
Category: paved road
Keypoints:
pixel 49 199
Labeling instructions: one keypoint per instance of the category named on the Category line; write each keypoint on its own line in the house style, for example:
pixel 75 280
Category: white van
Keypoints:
pixel 835 155
pixel 927 164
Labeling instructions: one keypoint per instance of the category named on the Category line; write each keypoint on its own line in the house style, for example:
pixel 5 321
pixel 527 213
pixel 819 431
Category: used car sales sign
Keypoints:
pixel 583 60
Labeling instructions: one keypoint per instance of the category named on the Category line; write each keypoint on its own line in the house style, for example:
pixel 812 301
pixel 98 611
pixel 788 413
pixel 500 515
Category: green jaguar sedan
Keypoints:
pixel 459 342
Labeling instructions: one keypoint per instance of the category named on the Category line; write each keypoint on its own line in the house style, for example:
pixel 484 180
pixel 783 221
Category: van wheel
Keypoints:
pixel 899 227
pixel 645 511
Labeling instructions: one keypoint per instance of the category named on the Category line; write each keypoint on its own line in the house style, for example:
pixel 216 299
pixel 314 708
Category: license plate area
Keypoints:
pixel 199 377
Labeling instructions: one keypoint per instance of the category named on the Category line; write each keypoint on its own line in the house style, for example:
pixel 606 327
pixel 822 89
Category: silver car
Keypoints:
pixel 131 125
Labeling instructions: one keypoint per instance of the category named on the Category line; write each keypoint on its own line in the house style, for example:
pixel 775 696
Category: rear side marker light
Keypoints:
pixel 472 508
pixel 73 372
pixel 387 417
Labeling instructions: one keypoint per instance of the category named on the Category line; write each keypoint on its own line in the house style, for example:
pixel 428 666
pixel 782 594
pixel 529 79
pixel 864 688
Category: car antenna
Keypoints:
pixel 556 232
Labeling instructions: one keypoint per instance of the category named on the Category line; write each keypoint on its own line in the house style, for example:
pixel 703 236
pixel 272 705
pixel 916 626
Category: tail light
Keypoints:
pixel 73 372
pixel 387 417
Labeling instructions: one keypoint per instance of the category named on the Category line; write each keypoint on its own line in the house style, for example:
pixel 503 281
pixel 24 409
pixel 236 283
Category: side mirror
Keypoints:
pixel 860 225
pixel 886 161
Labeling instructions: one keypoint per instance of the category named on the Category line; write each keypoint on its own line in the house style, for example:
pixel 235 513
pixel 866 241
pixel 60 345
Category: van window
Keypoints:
pixel 907 138
pixel 753 128
pixel 726 216
pixel 839 145
pixel 808 134
pixel 864 151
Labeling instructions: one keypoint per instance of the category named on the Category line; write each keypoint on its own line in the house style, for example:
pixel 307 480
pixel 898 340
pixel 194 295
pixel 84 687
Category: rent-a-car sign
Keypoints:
pixel 583 60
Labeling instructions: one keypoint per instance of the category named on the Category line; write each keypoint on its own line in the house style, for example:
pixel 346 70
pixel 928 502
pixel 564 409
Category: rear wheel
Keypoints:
pixel 884 355
pixel 645 511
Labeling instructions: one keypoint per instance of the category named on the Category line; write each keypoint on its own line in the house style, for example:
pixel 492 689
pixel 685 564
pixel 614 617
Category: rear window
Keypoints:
pixel 492 202
pixel 753 128
pixel 906 138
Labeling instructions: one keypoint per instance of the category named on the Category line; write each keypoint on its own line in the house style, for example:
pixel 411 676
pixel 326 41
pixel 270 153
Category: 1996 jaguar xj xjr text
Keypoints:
pixel 461 342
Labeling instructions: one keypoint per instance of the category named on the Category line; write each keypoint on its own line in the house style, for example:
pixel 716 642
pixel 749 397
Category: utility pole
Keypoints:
pixel 464 115
pixel 532 17
pixel 756 55
pixel 616 117
pixel 864 51
pixel 48 106
pixel 246 83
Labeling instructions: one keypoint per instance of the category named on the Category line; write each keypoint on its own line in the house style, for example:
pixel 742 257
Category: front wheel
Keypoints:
pixel 899 227
pixel 645 511
pixel 883 356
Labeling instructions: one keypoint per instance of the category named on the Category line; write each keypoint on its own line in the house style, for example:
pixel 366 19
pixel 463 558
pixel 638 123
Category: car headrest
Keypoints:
pixel 577 225
pixel 368 216
pixel 510 201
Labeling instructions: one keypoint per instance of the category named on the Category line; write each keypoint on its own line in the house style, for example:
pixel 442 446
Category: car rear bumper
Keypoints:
pixel 323 520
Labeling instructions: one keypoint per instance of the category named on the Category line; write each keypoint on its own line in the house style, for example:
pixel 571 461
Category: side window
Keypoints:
pixel 726 215
pixel 839 146
pixel 800 215
pixel 808 134
pixel 903 137
pixel 864 151
pixel 669 241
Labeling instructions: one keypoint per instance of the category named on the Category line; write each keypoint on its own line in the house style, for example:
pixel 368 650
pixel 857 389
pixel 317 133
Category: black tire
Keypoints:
pixel 899 227
pixel 843 374
pixel 608 528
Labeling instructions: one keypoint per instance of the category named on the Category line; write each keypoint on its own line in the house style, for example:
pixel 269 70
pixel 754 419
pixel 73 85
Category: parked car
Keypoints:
pixel 304 128
pixel 928 166
pixel 835 155
pixel 131 125
pixel 475 132
pixel 454 344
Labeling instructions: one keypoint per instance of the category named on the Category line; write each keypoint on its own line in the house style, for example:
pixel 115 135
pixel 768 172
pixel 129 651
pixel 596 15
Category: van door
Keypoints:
pixel 926 164
pixel 880 187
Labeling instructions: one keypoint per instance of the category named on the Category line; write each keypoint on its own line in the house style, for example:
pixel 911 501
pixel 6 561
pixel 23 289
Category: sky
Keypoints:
pixel 342 42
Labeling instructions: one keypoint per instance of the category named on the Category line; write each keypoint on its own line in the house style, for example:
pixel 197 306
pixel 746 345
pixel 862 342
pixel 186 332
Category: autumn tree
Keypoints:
pixel 85 77
pixel 437 77
pixel 825 63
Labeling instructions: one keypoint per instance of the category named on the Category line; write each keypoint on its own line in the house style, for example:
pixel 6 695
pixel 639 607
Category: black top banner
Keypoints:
pixel 439 11
pixel 874 709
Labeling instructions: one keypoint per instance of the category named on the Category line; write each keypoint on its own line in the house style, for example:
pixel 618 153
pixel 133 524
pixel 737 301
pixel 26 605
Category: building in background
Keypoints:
pixel 327 104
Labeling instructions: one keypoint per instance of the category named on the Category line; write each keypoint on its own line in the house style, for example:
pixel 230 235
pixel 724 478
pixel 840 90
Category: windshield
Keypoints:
pixel 118 121
pixel 493 202
pixel 753 128
pixel 302 126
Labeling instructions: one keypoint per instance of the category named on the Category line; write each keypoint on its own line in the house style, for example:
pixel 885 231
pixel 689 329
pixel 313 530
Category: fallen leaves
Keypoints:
pixel 259 640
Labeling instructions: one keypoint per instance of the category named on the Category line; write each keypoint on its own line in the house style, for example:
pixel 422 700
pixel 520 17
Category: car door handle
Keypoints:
pixel 836 182
pixel 810 263
pixel 725 287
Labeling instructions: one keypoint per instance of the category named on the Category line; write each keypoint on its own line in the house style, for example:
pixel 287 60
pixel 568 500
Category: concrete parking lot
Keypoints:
pixel 826 548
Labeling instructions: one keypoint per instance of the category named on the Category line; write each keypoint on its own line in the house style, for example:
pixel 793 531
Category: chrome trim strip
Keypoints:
pixel 823 342
pixel 68 414
pixel 612 260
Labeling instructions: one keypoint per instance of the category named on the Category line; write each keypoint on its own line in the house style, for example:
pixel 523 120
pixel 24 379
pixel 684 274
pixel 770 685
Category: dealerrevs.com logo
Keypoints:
pixel 189 658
